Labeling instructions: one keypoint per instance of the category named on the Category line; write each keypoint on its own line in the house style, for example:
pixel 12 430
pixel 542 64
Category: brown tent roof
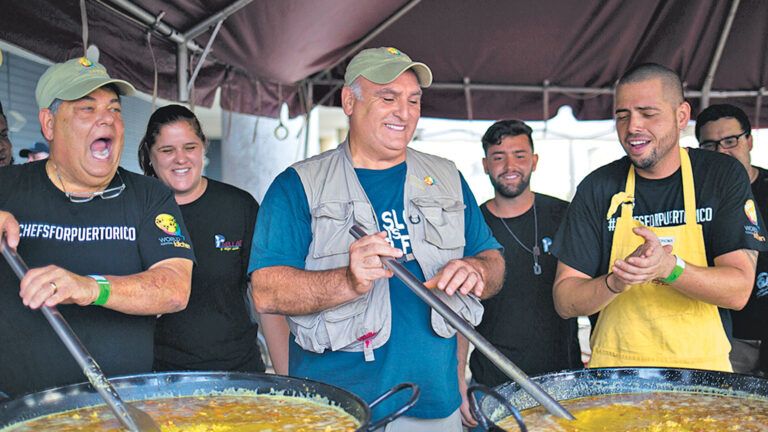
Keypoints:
pixel 507 51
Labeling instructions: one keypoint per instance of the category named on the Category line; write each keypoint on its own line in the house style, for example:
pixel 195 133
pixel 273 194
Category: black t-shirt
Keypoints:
pixel 117 236
pixel 752 321
pixel 722 191
pixel 214 332
pixel 521 320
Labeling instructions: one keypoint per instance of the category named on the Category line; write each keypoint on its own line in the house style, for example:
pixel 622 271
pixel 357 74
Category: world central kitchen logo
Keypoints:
pixel 167 224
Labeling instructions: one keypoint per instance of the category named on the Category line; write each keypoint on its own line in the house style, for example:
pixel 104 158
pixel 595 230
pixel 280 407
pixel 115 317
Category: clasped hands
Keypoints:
pixel 366 265
pixel 649 261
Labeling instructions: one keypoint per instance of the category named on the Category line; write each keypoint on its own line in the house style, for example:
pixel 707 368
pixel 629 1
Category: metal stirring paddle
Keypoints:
pixel 134 419
pixel 481 344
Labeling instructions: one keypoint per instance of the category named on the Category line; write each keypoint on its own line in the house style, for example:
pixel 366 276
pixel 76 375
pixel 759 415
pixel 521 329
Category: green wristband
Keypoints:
pixel 105 289
pixel 676 272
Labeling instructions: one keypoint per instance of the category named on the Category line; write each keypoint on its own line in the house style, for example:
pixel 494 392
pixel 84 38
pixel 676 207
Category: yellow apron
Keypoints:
pixel 652 324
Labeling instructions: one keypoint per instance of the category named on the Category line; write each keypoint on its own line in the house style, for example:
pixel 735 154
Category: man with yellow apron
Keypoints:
pixel 657 240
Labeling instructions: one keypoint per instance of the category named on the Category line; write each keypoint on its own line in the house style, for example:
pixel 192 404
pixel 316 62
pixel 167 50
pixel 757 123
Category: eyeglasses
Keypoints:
pixel 724 143
pixel 80 198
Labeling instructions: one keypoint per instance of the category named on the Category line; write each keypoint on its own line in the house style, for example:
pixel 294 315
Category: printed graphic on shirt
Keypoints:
pixel 667 218
pixel 397 231
pixel 221 243
pixel 167 224
pixel 762 285
pixel 752 230
pixel 76 234
pixel 546 242
pixel 751 211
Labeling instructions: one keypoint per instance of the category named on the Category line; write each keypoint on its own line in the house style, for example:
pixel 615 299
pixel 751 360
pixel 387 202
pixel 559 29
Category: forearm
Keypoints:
pixel 276 333
pixel 578 295
pixel 164 288
pixel 490 265
pixel 462 352
pixel 290 291
pixel 725 285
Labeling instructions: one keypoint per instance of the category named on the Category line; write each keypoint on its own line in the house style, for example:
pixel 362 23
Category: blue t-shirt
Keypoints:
pixel 414 352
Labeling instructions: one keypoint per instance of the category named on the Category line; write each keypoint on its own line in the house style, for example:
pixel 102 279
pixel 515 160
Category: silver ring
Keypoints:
pixel 55 288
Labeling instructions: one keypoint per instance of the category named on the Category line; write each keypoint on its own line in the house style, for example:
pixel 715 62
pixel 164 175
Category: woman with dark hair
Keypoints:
pixel 215 331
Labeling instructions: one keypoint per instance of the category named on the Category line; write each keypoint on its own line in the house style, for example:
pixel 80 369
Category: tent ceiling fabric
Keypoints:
pixel 267 51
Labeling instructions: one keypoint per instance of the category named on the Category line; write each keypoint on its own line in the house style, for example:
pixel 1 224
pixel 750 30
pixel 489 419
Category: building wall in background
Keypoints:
pixel 251 154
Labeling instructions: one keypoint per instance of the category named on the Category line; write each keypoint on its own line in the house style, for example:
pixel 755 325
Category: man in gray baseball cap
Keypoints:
pixel 107 246
pixel 345 311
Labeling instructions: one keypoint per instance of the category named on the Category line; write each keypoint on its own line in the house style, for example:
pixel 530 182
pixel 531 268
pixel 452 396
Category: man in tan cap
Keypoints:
pixel 354 325
pixel 106 245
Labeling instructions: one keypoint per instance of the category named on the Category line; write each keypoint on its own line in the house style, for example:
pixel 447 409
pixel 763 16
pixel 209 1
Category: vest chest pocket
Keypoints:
pixel 443 221
pixel 331 222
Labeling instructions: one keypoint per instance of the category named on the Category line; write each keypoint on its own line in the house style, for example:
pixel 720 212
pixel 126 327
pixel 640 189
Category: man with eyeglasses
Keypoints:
pixel 105 245
pixel 726 128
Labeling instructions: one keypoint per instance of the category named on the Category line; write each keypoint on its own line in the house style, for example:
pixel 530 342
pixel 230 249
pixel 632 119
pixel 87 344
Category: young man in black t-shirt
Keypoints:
pixel 658 239
pixel 520 320
pixel 725 128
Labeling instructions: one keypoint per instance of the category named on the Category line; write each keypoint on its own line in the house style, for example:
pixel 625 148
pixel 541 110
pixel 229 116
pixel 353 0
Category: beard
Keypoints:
pixel 666 143
pixel 648 161
pixel 511 191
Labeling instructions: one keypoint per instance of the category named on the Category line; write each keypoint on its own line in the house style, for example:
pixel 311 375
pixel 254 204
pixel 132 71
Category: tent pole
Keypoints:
pixel 203 26
pixel 182 64
pixel 372 34
pixel 207 50
pixel 758 104
pixel 131 10
pixel 553 89
pixel 468 98
pixel 707 87
pixel 184 42
pixel 545 95
pixel 691 94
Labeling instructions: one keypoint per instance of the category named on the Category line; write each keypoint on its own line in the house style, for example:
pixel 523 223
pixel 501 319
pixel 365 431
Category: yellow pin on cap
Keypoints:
pixel 429 181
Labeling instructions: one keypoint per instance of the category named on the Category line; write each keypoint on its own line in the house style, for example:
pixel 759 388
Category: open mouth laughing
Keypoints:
pixel 101 148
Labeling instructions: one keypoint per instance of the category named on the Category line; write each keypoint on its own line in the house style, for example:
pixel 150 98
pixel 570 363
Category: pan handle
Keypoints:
pixel 398 412
pixel 485 422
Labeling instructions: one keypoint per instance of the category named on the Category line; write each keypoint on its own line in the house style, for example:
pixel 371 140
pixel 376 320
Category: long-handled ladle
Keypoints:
pixel 134 419
pixel 463 327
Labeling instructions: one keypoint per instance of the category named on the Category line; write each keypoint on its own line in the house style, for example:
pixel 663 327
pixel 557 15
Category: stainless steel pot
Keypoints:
pixel 176 384
pixel 593 382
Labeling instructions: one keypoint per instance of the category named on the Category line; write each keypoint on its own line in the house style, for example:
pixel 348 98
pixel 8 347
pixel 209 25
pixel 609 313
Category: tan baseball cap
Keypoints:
pixel 74 79
pixel 384 65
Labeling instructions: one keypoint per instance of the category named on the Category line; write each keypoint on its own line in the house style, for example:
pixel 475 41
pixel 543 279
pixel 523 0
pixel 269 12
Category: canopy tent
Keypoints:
pixel 490 58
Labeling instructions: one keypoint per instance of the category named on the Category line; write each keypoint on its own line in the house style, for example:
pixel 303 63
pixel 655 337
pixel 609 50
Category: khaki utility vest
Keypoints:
pixel 434 206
